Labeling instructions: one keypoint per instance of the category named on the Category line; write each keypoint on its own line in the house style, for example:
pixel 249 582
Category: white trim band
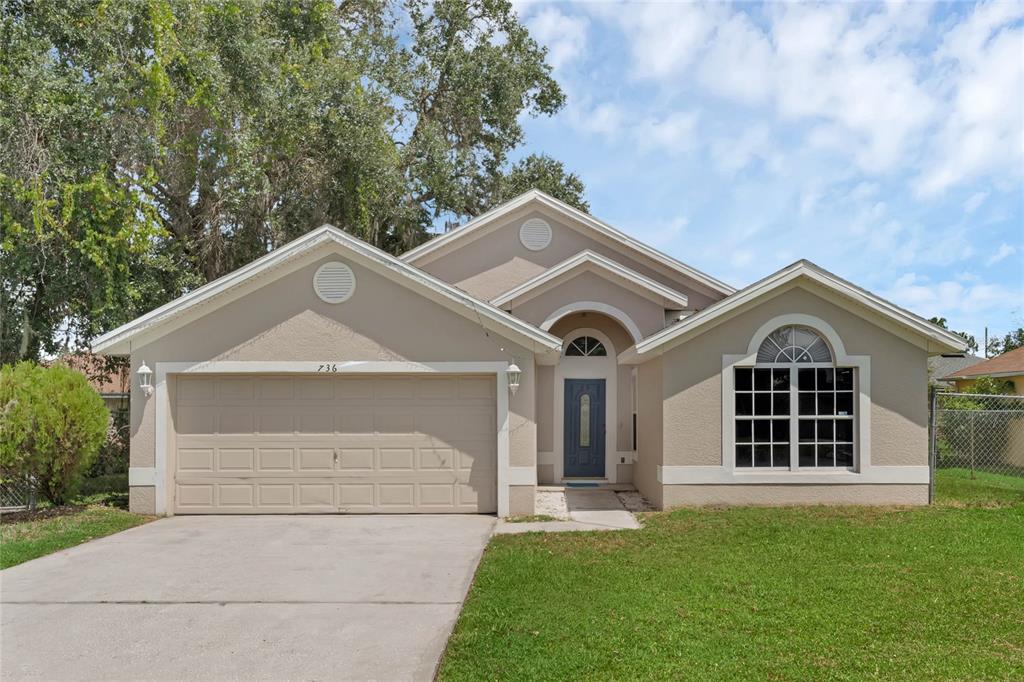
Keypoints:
pixel 714 475
pixel 141 476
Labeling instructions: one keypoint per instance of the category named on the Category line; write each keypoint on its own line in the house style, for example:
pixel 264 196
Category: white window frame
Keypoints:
pixel 840 358
pixel 794 417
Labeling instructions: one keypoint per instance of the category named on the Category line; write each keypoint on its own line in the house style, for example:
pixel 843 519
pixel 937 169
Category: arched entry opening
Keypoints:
pixel 588 403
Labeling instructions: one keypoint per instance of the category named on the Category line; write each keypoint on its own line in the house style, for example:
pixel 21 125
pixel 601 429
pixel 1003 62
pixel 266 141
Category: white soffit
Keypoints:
pixel 435 246
pixel 936 339
pixel 588 261
pixel 295 254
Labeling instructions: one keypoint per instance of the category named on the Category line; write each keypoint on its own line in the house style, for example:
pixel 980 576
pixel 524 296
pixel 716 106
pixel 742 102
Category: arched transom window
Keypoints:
pixel 586 347
pixel 794 344
pixel 794 408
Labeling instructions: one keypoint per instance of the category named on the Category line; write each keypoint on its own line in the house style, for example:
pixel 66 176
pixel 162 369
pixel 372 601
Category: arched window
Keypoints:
pixel 793 408
pixel 794 344
pixel 586 347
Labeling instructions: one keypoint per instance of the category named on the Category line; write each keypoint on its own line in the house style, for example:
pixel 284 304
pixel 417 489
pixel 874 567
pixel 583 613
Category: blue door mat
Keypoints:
pixel 581 484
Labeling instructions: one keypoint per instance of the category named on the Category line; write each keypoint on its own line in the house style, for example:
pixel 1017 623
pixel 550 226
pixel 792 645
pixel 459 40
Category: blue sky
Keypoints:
pixel 883 142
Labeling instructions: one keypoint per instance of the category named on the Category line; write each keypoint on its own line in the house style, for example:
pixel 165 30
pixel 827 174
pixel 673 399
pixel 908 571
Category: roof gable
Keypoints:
pixel 903 322
pixel 575 219
pixel 294 255
pixel 588 261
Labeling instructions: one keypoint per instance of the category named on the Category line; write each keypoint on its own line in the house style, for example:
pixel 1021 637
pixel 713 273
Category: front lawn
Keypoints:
pixel 760 593
pixel 51 530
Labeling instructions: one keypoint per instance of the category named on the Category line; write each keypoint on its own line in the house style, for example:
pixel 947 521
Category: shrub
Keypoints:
pixel 53 423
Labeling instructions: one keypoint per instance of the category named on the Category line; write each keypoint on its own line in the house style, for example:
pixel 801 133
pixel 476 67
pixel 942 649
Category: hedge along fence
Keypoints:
pixel 980 430
pixel 52 424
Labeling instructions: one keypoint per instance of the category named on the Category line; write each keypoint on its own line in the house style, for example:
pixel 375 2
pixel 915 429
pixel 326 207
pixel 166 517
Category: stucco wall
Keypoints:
pixel 649 431
pixel 286 321
pixel 648 316
pixel 545 398
pixel 496 261
pixel 521 499
pixel 773 495
pixel 693 391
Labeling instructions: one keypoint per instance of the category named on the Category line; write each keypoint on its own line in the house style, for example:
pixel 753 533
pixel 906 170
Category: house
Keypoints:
pixel 939 366
pixel 111 383
pixel 1009 367
pixel 533 345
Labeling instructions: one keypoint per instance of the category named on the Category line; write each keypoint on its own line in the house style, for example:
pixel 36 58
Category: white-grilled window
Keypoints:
pixel 794 408
pixel 586 346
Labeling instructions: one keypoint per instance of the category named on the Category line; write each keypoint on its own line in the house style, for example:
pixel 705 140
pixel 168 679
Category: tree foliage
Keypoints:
pixel 149 146
pixel 53 424
pixel 972 343
pixel 1011 341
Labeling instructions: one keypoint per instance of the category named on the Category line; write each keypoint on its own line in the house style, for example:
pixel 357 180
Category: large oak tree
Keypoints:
pixel 149 146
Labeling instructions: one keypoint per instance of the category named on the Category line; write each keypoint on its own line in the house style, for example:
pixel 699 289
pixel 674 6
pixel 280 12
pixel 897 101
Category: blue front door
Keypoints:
pixel 584 427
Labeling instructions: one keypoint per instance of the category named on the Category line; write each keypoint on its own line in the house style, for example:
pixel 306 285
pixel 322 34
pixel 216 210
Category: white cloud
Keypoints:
pixel 732 154
pixel 565 36
pixel 739 61
pixel 877 87
pixel 664 38
pixel 675 133
pixel 983 77
pixel 662 234
pixel 974 202
pixel 1003 252
pixel 604 119
pixel 966 306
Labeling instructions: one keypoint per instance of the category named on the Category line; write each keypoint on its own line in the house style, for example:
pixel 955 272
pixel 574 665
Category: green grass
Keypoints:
pixel 957 487
pixel 840 593
pixel 24 540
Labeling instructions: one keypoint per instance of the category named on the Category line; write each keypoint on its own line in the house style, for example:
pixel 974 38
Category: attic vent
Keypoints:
pixel 334 282
pixel 535 234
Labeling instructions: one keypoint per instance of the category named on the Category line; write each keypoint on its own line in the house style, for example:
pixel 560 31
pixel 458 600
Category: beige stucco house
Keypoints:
pixel 533 345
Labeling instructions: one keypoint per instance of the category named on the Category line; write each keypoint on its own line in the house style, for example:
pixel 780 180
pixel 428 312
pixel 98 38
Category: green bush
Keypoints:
pixel 52 424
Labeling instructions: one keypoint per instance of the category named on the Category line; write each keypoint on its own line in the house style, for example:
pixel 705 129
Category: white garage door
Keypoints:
pixel 318 444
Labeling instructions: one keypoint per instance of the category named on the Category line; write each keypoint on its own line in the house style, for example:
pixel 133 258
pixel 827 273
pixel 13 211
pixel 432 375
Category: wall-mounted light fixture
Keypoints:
pixel 145 380
pixel 513 373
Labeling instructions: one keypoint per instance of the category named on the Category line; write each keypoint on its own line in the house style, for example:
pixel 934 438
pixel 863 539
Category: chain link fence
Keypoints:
pixel 978 433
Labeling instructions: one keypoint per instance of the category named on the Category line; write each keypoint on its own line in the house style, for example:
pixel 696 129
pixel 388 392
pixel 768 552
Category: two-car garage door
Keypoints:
pixel 317 444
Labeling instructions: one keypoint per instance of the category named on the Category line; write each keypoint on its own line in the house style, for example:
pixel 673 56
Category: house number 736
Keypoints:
pixel 328 367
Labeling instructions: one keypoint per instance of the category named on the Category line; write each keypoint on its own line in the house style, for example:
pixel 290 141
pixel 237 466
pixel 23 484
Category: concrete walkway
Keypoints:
pixel 577 509
pixel 242 597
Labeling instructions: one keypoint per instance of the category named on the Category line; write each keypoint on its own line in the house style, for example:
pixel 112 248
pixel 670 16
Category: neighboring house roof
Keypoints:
pixel 588 261
pixel 443 242
pixel 1008 364
pixel 938 339
pixel 114 384
pixel 294 254
pixel 941 365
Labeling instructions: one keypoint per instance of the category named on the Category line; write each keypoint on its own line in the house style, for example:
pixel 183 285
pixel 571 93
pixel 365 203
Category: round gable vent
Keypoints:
pixel 334 282
pixel 535 234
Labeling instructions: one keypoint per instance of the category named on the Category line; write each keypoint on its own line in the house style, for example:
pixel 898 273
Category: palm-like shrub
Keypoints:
pixel 52 424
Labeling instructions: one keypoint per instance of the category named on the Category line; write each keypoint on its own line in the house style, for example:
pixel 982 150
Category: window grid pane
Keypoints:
pixel 824 436
pixel 762 417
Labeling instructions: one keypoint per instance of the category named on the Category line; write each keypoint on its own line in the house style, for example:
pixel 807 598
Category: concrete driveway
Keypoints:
pixel 242 597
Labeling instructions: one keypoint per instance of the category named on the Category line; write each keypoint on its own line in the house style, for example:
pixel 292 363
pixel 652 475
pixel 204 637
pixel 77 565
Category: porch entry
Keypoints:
pixel 584 428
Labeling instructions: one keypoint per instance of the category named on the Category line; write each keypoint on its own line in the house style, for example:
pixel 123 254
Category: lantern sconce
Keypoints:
pixel 513 373
pixel 145 379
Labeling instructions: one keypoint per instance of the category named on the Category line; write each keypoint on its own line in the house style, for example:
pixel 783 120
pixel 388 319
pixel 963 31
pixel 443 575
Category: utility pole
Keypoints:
pixel 986 343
